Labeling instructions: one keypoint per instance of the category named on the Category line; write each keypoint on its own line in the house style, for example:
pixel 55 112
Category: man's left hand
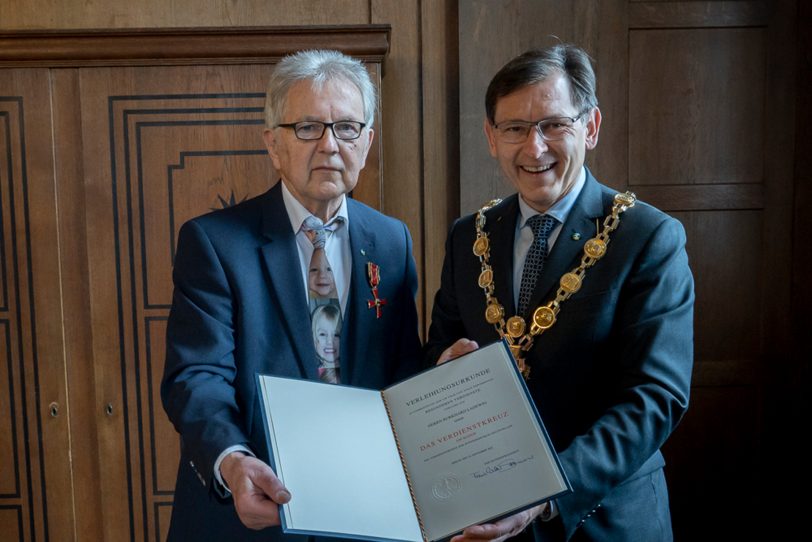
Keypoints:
pixel 462 346
pixel 502 529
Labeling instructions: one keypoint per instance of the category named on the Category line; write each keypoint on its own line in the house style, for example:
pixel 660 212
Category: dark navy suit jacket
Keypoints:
pixel 240 308
pixel 611 378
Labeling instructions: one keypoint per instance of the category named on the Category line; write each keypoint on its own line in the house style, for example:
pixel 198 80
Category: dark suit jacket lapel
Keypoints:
pixel 567 252
pixel 282 264
pixel 358 320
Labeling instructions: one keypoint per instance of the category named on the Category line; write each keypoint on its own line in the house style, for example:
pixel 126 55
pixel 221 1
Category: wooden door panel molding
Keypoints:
pixel 9 414
pixel 160 461
pixel 727 271
pixel 164 446
pixel 161 145
pixel 11 521
pixel 701 197
pixel 697 14
pixel 173 156
pixel 183 46
pixel 36 480
pixel 689 124
pixel 209 179
pixel 22 490
pixel 176 157
pixel 704 118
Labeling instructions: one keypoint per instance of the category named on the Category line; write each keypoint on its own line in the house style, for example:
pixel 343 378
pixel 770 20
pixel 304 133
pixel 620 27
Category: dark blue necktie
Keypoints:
pixel 541 225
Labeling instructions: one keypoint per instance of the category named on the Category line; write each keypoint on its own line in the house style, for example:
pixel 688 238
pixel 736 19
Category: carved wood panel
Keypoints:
pixel 34 452
pixel 21 498
pixel 171 149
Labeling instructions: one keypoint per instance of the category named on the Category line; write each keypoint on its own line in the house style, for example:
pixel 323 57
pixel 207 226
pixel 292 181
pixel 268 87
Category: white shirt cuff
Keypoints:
pixel 219 477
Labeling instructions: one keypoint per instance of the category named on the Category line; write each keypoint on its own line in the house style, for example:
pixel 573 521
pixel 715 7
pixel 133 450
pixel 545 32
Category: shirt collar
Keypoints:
pixel 297 212
pixel 560 209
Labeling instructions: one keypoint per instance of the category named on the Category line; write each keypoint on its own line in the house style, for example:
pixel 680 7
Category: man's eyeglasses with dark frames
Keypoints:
pixel 551 129
pixel 310 130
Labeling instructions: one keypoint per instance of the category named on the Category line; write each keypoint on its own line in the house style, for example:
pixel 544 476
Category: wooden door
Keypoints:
pixel 104 153
pixel 697 120
pixel 161 145
pixel 35 476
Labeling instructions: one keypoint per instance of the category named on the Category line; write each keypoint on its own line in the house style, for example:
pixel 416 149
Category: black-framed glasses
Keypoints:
pixel 310 130
pixel 551 129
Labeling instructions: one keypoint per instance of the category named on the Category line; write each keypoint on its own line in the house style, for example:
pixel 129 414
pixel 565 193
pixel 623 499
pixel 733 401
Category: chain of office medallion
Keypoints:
pixel 545 315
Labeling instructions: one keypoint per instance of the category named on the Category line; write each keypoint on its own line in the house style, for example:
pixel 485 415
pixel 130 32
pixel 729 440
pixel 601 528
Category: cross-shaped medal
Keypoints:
pixel 374 274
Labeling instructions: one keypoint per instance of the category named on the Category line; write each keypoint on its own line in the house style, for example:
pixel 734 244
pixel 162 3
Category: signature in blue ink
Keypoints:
pixel 500 467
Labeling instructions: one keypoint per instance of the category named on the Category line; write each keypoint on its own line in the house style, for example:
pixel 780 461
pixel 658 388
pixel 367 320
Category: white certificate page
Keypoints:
pixel 472 444
pixel 334 450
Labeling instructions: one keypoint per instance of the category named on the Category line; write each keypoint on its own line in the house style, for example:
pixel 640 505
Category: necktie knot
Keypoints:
pixel 317 231
pixel 542 226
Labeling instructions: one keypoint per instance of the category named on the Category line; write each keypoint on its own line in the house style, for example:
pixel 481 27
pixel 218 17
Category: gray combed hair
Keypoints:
pixel 319 67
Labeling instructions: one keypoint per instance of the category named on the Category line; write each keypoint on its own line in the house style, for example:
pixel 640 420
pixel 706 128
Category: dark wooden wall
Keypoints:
pixel 706 115
pixel 699 117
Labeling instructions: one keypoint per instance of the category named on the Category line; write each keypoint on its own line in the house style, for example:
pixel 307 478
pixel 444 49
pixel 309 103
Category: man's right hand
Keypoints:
pixel 256 490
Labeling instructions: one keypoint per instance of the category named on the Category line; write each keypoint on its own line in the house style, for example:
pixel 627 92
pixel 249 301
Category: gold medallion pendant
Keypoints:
pixel 515 326
pixel 514 331
pixel 595 248
pixel 486 278
pixel 494 313
pixel 544 318
pixel 570 282
pixel 481 245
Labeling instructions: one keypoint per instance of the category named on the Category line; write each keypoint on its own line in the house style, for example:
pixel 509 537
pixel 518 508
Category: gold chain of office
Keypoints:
pixel 513 330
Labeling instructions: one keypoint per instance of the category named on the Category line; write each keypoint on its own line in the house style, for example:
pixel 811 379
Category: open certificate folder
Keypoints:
pixel 457 445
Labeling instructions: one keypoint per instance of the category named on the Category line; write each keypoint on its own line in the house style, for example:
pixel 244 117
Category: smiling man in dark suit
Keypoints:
pixel 242 305
pixel 603 330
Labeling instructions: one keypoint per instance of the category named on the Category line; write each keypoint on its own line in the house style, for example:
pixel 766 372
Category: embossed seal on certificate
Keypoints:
pixel 445 488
